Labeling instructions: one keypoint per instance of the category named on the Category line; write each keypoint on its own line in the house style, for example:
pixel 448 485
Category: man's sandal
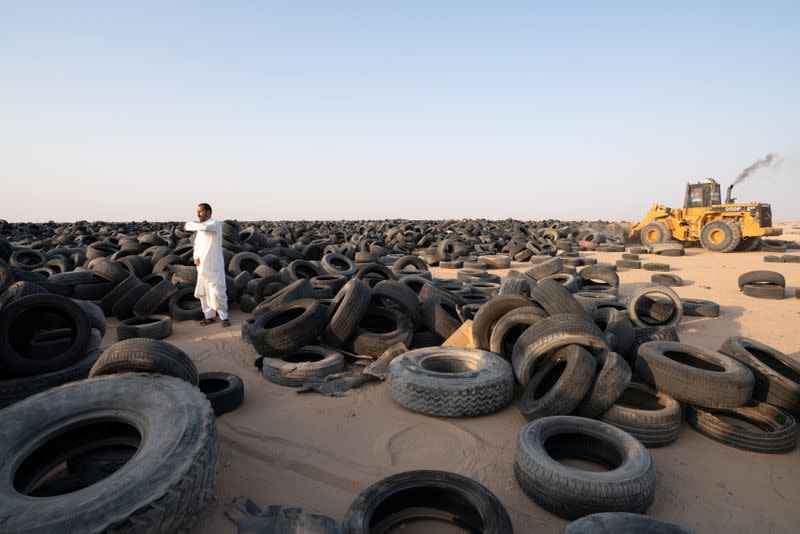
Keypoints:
pixel 225 323
pixel 204 322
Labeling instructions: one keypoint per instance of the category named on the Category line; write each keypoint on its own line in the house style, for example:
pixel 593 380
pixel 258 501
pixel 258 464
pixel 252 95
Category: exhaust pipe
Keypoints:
pixel 728 199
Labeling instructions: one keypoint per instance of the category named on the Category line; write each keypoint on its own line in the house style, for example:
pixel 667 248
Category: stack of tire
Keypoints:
pixel 763 285
pixel 45 340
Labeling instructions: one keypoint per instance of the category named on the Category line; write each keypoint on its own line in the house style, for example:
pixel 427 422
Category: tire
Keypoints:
pixel 556 299
pixel 94 315
pixel 642 335
pixel 760 291
pixel 297 290
pixel 345 312
pixel 559 383
pixel 617 328
pixel 146 326
pixel 652 417
pixel 145 356
pixel 655 232
pixel 413 261
pixel 664 267
pixel 599 275
pixel 613 376
pixel 695 375
pixel 27 259
pixel 749 244
pixel 15 389
pixel 399 295
pixel 472 505
pixel 379 329
pixel 307 364
pixel 225 391
pixel 677 303
pixel 287 327
pixel 108 302
pixel 510 326
pixel 162 488
pixel 488 315
pixel 568 281
pixel 700 308
pixel 244 262
pixel 155 298
pixel 440 316
pixel 670 280
pixel 247 325
pixel 516 286
pixel 766 278
pixel 545 269
pixel 776 429
pixel 551 334
pixel 621 522
pixel 628 264
pixel 451 381
pixel 110 271
pixel 571 493
pixel 339 264
pixel 184 306
pixel 123 307
pixel 777 376
pixel 721 236
pixel 18 324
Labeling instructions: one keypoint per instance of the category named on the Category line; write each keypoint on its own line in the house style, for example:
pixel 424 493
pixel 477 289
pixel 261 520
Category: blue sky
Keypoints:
pixel 312 110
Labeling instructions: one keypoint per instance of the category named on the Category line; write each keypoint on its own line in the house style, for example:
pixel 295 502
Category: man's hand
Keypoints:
pixel 197 261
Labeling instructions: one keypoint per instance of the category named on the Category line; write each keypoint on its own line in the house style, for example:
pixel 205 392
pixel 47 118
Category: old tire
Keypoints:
pixel 621 523
pixel 145 356
pixel 655 232
pixel 695 375
pixel 559 383
pixel 398 498
pixel 162 488
pixel 629 485
pixel 149 326
pixel 489 313
pixel 288 327
pixel 306 364
pixel 765 278
pixel 555 298
pixel 510 326
pixel 440 316
pixel 777 376
pixel 450 381
pixel 672 320
pixel 613 376
pixel 225 391
pixel 346 311
pixel 652 417
pixel 776 429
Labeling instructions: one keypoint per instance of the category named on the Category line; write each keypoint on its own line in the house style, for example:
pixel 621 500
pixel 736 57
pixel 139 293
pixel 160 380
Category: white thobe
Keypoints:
pixel 211 271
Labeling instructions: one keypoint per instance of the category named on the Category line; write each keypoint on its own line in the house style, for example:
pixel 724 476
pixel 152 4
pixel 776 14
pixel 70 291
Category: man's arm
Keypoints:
pixel 208 226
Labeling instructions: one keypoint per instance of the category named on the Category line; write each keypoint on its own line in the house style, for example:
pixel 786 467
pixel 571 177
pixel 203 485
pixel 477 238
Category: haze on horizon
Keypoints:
pixel 416 110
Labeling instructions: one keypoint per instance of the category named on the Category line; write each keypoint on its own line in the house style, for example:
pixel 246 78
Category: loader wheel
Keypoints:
pixel 749 244
pixel 721 236
pixel 655 232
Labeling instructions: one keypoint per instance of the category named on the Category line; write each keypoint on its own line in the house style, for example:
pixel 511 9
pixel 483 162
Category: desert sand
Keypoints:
pixel 316 452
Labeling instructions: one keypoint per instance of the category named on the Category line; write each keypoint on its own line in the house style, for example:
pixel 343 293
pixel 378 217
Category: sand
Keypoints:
pixel 316 452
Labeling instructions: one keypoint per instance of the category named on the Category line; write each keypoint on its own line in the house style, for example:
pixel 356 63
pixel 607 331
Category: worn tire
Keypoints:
pixel 307 364
pixel 345 312
pixel 654 232
pixel 777 429
pixel 571 493
pixel 556 299
pixel 287 327
pixel 621 523
pixel 670 280
pixel 721 236
pixel 762 291
pixel 777 376
pixel 162 488
pixel 155 298
pixel 677 303
pixel 651 416
pixel 551 334
pixel 399 295
pixel 149 326
pixel 225 391
pixel 510 326
pixel 379 329
pixel 617 328
pixel 488 315
pixel 767 278
pixel 145 356
pixel 700 308
pixel 18 323
pixel 450 381
pixel 613 376
pixel 695 375
pixel 468 503
pixel 440 316
pixel 559 383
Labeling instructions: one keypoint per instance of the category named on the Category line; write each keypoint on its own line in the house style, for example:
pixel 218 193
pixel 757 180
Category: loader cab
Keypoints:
pixel 702 194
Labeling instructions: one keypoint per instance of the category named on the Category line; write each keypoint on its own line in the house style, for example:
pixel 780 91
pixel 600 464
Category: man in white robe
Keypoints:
pixel 210 266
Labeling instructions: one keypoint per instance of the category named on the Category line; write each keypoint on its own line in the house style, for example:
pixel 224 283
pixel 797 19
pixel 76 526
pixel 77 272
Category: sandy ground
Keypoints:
pixel 316 452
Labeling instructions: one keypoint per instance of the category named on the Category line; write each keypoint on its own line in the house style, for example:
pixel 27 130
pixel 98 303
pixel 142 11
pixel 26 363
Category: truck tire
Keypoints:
pixel 572 493
pixel 721 236
pixel 451 381
pixel 162 488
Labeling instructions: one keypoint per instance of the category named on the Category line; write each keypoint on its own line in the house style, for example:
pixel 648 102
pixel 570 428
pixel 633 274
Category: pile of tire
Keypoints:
pixel 763 285
pixel 46 340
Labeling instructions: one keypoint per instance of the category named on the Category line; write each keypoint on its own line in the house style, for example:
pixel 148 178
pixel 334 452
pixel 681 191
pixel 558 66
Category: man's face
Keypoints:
pixel 203 214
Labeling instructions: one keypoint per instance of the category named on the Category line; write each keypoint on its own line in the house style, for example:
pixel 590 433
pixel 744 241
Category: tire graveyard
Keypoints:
pixel 578 354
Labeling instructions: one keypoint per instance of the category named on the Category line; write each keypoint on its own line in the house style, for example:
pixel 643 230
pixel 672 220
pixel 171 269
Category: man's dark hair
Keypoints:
pixel 205 206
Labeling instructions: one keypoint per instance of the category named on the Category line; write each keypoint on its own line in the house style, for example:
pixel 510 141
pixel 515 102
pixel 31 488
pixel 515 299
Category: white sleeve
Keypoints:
pixel 208 226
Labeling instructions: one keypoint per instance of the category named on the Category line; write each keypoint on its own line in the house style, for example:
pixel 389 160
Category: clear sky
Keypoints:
pixel 376 109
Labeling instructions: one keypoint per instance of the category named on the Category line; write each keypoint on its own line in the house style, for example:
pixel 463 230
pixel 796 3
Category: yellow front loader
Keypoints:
pixel 718 227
